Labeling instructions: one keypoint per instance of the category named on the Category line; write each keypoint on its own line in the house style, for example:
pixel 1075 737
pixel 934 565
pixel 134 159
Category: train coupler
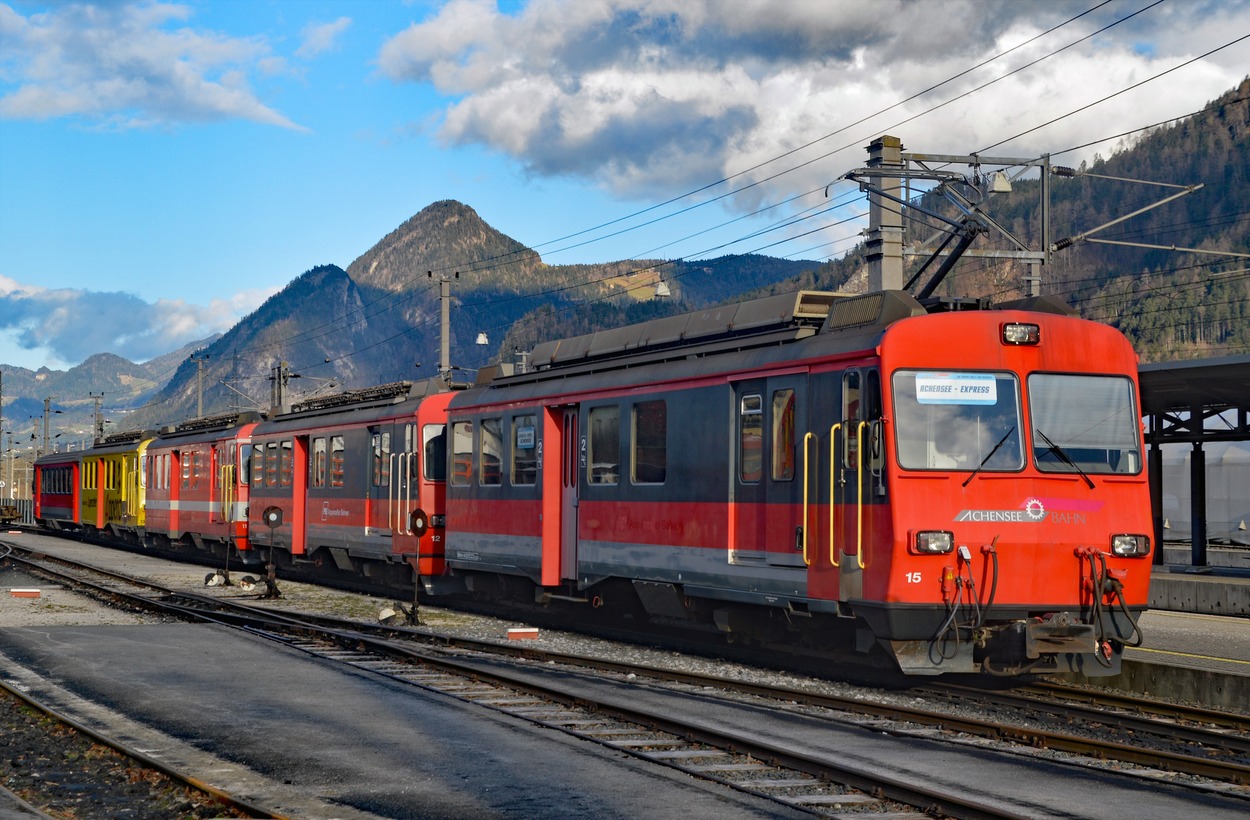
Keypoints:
pixel 1061 633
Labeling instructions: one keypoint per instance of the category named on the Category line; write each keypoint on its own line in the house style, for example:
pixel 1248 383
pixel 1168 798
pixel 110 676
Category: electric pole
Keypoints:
pixel 444 339
pixel 199 384
pixel 99 415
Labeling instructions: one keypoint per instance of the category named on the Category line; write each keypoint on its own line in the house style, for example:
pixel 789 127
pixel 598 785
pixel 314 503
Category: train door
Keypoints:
pixel 298 478
pixel 378 499
pixel 173 471
pixel 223 482
pixel 405 490
pixel 560 456
pixel 572 462
pixel 859 476
pixel 766 497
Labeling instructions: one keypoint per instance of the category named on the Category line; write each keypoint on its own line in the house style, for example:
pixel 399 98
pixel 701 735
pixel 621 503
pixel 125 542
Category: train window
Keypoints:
pixel 381 449
pixel 524 450
pixel 650 437
pixel 604 457
pixel 337 461
pixel 271 464
pixel 852 401
pixel 317 468
pixel 258 465
pixel 461 453
pixel 1084 424
pixel 245 463
pixel 951 420
pixel 411 446
pixel 751 438
pixel 434 450
pixel 285 463
pixel 490 452
pixel 783 435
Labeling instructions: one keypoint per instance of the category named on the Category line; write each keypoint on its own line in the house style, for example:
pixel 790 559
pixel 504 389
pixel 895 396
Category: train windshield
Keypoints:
pixel 1084 424
pixel 958 420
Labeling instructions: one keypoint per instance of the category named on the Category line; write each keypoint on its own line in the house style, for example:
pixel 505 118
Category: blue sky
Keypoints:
pixel 165 167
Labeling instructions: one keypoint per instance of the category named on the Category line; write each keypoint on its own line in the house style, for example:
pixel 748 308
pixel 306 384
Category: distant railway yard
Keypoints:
pixel 222 702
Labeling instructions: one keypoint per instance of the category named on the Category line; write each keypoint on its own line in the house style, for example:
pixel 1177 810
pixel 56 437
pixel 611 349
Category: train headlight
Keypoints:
pixel 1127 546
pixel 934 542
pixel 438 521
pixel 1020 333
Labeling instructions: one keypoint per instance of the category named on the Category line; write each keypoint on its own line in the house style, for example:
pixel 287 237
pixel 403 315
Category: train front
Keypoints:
pixel 1018 493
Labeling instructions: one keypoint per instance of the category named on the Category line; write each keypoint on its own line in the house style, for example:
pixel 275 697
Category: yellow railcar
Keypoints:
pixel 114 485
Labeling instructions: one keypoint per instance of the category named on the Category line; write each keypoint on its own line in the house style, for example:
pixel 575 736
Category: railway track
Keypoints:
pixel 473 670
pixel 60 767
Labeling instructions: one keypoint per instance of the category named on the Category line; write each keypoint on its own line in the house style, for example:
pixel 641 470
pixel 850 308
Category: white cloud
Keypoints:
pixel 320 37
pixel 655 97
pixel 128 65
pixel 63 326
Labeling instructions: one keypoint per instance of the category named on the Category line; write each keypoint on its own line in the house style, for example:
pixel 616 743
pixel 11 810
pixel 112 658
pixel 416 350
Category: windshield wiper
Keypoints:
pixel 1065 458
pixel 989 455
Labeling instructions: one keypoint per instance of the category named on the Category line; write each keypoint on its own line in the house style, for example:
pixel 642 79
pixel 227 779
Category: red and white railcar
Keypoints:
pixel 57 491
pixel 354 483
pixel 963 489
pixel 197 485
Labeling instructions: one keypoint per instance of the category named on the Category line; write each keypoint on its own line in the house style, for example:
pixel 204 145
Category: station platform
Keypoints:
pixel 1222 587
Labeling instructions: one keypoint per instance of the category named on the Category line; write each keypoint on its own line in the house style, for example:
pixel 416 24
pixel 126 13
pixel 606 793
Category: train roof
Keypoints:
pixel 366 404
pixel 855 321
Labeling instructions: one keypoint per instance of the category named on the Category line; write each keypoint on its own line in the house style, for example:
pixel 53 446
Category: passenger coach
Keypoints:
pixel 963 489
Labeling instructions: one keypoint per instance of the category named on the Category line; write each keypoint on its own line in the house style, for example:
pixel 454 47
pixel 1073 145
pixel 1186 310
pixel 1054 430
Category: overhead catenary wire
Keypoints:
pixel 490 262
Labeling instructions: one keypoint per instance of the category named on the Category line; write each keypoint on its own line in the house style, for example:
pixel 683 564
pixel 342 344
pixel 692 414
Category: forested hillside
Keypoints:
pixel 1173 304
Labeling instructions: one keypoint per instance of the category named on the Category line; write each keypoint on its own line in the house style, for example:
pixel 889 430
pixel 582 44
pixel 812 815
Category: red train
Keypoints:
pixel 960 487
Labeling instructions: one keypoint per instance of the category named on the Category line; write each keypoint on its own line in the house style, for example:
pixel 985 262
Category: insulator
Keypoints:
pixel 1062 171
pixel 1066 242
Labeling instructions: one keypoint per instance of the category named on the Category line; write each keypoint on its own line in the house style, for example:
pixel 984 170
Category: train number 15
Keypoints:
pixel 914 577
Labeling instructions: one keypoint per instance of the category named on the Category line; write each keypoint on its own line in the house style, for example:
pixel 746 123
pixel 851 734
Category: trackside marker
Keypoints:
pixel 527 633
pixel 25 593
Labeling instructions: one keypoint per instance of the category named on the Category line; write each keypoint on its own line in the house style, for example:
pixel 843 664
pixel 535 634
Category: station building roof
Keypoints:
pixel 1201 390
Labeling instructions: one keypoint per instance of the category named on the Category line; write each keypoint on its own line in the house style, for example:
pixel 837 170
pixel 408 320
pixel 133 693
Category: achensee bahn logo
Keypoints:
pixel 1032 511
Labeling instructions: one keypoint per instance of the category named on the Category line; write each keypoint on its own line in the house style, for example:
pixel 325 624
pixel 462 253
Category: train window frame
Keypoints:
pixel 318 463
pixel 490 443
pixel 462 434
pixel 1071 421
pixel 434 452
pixel 241 457
pixel 271 463
pixel 783 434
pixel 286 462
pixel 751 423
pixel 852 414
pixel 380 458
pixel 412 447
pixel 258 464
pixel 523 469
pixel 991 452
pixel 648 432
pixel 338 462
pixel 603 445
